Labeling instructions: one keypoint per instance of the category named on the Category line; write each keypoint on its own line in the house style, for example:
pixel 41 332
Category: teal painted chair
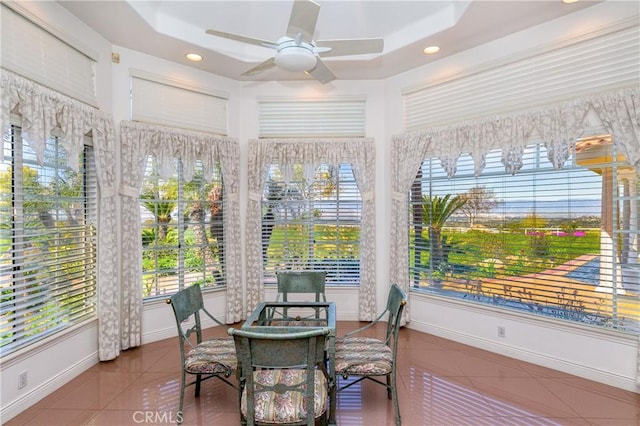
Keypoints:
pixel 283 376
pixel 370 358
pixel 201 359
pixel 303 283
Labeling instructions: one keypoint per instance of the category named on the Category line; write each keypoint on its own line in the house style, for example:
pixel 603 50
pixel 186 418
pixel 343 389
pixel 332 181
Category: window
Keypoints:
pixel 312 222
pixel 48 242
pixel 560 243
pixel 182 231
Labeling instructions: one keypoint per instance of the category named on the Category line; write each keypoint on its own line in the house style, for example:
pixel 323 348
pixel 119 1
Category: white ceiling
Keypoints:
pixel 169 29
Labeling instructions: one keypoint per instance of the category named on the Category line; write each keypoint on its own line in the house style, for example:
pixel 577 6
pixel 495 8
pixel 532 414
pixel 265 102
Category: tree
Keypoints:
pixel 533 221
pixel 416 203
pixel 275 193
pixel 161 202
pixel 436 210
pixel 216 207
pixel 478 199
pixel 37 198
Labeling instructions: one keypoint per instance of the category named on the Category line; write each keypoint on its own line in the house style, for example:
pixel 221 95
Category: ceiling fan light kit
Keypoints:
pixel 295 57
pixel 298 52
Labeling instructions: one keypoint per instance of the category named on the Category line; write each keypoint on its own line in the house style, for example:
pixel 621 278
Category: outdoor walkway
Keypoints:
pixel 542 288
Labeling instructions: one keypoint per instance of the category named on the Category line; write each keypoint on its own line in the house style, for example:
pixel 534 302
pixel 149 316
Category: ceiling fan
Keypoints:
pixel 297 51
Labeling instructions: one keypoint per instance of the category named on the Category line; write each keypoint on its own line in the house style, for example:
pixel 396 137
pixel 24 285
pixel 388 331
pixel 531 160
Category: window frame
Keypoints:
pixel 182 245
pixel 85 280
pixel 307 187
pixel 620 320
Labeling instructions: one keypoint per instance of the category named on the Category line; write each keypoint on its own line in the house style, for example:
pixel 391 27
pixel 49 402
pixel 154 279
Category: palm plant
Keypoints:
pixel 161 202
pixel 436 210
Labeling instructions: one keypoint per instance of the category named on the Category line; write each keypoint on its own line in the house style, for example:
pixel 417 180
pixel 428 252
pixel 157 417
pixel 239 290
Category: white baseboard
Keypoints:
pixel 586 372
pixel 39 392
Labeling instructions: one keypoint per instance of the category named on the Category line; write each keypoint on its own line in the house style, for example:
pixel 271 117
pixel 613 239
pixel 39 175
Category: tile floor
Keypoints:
pixel 440 383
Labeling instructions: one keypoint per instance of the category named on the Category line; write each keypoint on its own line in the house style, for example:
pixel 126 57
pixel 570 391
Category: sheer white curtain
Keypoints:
pixel 139 140
pixel 360 153
pixel 43 110
pixel 407 154
pixel 559 126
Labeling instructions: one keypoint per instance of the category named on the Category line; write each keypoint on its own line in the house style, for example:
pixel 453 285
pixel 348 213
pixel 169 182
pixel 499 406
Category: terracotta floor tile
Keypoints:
pixel 592 402
pixel 440 383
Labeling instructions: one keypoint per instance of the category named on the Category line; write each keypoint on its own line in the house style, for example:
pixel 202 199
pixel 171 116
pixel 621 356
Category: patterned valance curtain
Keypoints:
pixel 42 110
pixel 140 140
pixel 558 126
pixel 360 153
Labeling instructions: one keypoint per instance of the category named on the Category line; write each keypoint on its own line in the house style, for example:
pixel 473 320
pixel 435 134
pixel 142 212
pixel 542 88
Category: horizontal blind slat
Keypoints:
pixel 602 63
pixel 36 54
pixel 337 118
pixel 158 103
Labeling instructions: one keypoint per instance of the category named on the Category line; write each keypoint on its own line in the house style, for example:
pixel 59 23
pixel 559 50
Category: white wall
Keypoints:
pixel 594 354
pixel 605 357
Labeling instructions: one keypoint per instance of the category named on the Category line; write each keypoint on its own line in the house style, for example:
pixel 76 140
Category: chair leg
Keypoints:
pixel 198 380
pixel 182 384
pixel 390 386
pixel 396 405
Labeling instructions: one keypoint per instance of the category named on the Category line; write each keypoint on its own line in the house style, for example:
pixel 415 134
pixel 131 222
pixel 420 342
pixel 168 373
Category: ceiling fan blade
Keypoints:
pixel 321 72
pixel 269 63
pixel 244 39
pixel 304 15
pixel 351 46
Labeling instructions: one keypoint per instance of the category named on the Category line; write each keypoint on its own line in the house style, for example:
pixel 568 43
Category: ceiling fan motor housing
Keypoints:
pixel 295 56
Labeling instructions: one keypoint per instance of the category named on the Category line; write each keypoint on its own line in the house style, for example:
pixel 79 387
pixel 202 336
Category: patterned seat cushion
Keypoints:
pixel 289 406
pixel 214 356
pixel 360 356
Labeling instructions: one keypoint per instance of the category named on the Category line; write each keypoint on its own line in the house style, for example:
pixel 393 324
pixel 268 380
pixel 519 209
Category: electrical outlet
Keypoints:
pixel 502 331
pixel 22 380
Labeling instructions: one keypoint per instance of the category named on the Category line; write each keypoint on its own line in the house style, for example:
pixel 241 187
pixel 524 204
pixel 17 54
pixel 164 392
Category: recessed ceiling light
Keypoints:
pixel 569 1
pixel 431 50
pixel 194 57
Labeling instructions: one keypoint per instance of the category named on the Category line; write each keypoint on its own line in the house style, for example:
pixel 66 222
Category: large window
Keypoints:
pixel 559 243
pixel 311 220
pixel 182 230
pixel 47 242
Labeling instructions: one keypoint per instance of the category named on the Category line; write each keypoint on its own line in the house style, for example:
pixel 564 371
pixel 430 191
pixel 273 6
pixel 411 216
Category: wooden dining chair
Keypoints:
pixel 371 358
pixel 303 283
pixel 204 359
pixel 283 376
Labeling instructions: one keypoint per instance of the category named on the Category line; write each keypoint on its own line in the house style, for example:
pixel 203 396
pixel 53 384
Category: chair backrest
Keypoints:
pixel 275 350
pixel 311 282
pixel 396 301
pixel 185 303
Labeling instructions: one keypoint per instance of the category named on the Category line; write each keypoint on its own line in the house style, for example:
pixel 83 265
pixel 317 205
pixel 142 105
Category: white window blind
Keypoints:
pixel 168 103
pixel 557 243
pixel 311 219
pixel 327 118
pixel 47 242
pixel 182 231
pixel 590 66
pixel 39 55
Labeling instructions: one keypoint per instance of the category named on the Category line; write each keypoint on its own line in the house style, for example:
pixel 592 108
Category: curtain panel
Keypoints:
pixel 140 140
pixel 42 110
pixel 557 126
pixel 360 153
